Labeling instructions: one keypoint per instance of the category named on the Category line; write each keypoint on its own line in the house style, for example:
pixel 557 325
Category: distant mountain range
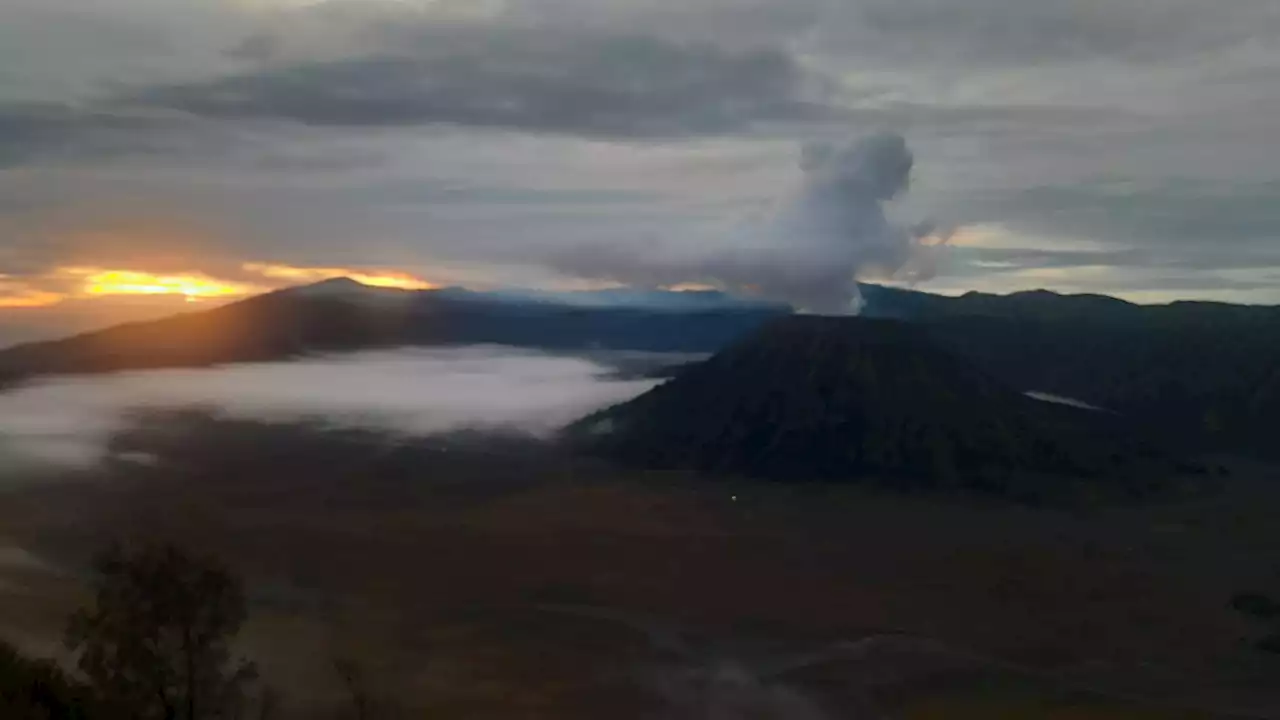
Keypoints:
pixel 811 397
pixel 343 315
pixel 1207 374
pixel 1195 372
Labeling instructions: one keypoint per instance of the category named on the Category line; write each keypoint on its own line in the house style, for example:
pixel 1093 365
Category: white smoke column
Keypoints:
pixel 836 228
pixel 811 251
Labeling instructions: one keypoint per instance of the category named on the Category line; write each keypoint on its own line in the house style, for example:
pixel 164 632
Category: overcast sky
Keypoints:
pixel 1119 146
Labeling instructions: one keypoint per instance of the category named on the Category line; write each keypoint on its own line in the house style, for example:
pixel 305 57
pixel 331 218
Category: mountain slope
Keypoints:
pixel 1206 375
pixel 1190 372
pixel 843 398
pixel 342 315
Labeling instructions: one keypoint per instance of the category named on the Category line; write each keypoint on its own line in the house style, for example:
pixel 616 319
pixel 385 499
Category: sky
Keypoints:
pixel 160 154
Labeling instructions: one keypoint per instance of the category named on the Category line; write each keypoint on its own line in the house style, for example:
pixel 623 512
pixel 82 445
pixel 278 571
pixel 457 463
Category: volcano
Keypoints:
pixel 811 397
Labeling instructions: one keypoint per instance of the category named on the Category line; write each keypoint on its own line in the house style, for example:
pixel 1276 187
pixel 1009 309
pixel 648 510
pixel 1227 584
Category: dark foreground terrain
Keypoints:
pixel 479 578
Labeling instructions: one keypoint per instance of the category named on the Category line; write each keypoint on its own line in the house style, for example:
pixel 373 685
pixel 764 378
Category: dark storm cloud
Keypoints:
pixel 594 86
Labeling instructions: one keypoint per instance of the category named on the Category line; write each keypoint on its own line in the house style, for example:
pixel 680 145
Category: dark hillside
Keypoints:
pixel 342 315
pixel 844 398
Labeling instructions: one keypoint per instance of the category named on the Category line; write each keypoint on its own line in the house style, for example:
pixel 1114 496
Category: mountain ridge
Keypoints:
pixel 1204 374
pixel 344 315
pixel 845 399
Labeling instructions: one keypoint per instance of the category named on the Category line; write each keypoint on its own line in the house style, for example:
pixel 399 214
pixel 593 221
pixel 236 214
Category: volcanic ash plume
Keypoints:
pixel 810 252
pixel 835 229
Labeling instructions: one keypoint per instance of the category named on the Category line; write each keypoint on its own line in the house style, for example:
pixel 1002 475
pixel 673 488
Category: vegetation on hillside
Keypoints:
pixel 40 690
pixel 155 644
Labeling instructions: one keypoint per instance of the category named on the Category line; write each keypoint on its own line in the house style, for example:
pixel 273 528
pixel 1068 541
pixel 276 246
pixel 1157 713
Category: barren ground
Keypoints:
pixel 546 592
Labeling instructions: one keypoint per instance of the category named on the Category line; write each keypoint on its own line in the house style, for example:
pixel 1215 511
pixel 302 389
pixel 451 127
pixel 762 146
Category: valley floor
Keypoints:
pixel 576 591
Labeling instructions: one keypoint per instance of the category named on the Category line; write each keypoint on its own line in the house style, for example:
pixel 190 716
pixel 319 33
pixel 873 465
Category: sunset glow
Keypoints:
pixel 372 278
pixel 77 282
pixel 690 287
pixel 16 295
pixel 192 286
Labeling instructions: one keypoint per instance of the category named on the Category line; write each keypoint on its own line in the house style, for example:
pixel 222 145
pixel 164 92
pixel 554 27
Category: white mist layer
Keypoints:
pixel 1060 400
pixel 68 420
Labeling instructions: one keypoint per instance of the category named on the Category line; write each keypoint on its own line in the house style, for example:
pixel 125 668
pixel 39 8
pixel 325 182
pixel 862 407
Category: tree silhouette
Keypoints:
pixel 156 643
pixel 38 690
pixel 352 676
pixel 1263 609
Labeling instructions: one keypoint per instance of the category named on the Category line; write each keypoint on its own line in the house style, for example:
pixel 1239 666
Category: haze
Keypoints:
pixel 421 391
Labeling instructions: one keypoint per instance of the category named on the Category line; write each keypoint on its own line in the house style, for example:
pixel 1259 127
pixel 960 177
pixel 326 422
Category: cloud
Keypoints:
pixel 1175 212
pixel 810 252
pixel 422 391
pixel 98 133
pixel 531 140
pixel 596 86
pixel 303 275
pixel 16 294
pixel 1007 31
pixel 64 284
pixel 43 131
pixel 418 72
pixel 258 47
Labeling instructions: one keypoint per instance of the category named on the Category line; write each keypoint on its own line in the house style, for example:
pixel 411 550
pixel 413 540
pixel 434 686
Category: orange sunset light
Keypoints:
pixel 77 282
pixel 373 278
pixel 192 286
pixel 690 287
pixel 16 295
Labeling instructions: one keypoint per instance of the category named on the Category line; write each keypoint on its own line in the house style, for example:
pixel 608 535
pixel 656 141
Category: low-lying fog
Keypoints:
pixel 418 391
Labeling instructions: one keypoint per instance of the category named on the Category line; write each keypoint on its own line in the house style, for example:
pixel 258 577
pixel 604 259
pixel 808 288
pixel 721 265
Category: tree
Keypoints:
pixel 156 643
pixel 38 690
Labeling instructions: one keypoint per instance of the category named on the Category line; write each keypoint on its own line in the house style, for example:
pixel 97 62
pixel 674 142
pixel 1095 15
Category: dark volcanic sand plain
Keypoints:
pixel 545 587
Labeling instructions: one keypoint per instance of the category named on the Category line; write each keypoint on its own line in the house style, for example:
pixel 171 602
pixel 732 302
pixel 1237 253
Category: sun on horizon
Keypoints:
pixel 81 282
